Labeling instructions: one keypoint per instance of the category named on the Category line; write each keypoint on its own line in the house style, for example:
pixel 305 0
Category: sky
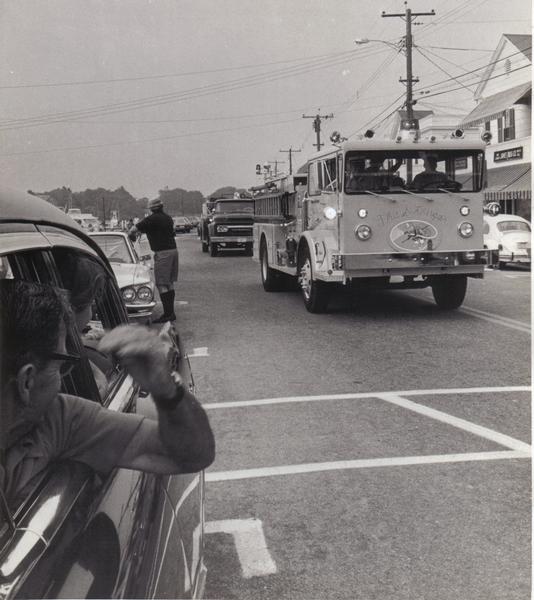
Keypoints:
pixel 192 94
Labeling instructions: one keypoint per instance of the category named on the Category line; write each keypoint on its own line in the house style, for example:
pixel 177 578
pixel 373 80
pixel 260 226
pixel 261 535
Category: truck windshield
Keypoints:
pixel 234 207
pixel 417 171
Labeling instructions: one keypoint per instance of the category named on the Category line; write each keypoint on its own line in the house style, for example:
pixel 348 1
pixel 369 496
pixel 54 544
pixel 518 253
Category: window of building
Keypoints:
pixel 506 126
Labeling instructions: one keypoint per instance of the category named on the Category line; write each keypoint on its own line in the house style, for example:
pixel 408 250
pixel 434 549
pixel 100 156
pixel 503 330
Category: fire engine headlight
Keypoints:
pixel 128 294
pixel 363 232
pixel 362 213
pixel 144 293
pixel 330 212
pixel 465 229
pixel 222 228
pixel 465 210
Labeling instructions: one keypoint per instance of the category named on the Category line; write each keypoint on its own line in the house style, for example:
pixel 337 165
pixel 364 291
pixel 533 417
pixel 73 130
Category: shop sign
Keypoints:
pixel 510 154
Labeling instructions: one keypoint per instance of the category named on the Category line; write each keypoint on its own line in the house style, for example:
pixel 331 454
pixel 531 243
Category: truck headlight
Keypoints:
pixel 465 210
pixel 466 229
pixel 363 232
pixel 330 212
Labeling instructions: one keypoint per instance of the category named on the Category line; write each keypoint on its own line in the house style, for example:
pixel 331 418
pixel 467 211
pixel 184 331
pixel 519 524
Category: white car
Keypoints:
pixel 509 236
pixel 132 264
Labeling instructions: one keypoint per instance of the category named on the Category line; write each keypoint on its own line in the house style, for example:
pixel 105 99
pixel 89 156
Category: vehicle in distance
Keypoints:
pixel 133 270
pixel 230 225
pixel 182 225
pixel 127 534
pixel 509 237
pixel 86 221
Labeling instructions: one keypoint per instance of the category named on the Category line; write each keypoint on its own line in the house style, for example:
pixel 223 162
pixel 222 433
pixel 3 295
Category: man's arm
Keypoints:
pixel 181 441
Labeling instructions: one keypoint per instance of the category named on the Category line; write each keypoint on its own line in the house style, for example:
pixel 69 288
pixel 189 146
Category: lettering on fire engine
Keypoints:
pixel 390 216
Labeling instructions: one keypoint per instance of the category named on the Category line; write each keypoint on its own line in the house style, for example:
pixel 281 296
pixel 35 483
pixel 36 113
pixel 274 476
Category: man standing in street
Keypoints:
pixel 159 229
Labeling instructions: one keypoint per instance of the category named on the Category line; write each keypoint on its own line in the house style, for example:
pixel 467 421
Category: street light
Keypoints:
pixel 397 46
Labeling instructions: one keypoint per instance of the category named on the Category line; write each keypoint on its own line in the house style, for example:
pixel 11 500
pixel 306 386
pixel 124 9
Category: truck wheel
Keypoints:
pixel 213 249
pixel 315 294
pixel 248 250
pixel 204 247
pixel 449 290
pixel 271 279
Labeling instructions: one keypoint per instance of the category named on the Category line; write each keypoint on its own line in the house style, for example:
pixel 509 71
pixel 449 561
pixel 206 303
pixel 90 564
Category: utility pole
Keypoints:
pixel 290 152
pixel 410 80
pixel 317 126
pixel 275 163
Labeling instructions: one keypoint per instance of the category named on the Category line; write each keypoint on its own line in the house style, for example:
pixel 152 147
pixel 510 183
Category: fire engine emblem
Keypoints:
pixel 414 236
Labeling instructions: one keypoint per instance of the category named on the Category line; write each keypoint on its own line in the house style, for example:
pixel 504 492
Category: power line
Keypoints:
pixel 441 69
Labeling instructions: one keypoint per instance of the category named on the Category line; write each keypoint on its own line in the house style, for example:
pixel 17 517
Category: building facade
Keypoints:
pixel 504 108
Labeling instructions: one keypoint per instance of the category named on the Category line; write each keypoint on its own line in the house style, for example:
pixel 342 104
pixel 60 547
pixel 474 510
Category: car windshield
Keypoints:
pixel 416 171
pixel 512 226
pixel 115 248
pixel 234 207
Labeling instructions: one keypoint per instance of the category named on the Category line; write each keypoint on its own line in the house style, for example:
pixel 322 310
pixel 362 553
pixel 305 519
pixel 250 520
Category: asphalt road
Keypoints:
pixel 389 459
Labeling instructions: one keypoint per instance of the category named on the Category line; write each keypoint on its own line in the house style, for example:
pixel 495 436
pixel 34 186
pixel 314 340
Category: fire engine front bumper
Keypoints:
pixel 350 266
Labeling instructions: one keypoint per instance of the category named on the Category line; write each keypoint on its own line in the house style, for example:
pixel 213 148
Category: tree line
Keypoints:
pixel 100 202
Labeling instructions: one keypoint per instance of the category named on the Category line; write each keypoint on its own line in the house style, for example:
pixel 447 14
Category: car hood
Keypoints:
pixel 516 236
pixel 234 218
pixel 131 274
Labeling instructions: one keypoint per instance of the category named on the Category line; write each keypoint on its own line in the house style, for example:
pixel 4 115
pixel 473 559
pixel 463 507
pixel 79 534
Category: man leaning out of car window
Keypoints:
pixel 38 424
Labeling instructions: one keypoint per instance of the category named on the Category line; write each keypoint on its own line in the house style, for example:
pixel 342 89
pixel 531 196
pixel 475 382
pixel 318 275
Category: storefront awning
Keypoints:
pixel 494 106
pixel 505 183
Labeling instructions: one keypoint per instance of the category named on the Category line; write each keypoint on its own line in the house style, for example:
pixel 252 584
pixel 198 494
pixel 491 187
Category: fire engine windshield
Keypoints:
pixel 234 207
pixel 416 171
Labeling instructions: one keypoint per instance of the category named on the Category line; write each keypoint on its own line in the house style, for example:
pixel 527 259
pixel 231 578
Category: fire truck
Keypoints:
pixel 401 213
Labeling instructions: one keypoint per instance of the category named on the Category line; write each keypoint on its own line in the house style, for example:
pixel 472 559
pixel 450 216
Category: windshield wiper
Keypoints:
pixel 417 195
pixel 379 195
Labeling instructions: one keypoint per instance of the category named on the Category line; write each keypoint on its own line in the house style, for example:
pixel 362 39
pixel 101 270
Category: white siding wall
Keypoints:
pixel 499 84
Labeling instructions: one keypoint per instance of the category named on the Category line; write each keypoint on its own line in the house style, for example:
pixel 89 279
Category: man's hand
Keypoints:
pixel 145 355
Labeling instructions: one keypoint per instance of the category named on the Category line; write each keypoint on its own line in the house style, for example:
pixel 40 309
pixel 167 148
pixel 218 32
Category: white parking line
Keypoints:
pixel 365 463
pixel 199 352
pixel 363 396
pixel 489 434
pixel 250 545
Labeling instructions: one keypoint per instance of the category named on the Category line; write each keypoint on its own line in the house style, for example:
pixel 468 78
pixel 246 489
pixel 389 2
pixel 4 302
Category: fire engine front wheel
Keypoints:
pixel 449 290
pixel 204 247
pixel 213 248
pixel 315 294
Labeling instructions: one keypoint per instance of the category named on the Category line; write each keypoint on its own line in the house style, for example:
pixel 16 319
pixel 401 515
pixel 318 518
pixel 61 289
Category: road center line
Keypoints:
pixel 484 432
pixel 362 396
pixel 398 461
pixel 519 325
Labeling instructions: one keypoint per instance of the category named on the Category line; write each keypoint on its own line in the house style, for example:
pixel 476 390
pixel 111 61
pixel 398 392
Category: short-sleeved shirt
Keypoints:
pixel 159 229
pixel 73 429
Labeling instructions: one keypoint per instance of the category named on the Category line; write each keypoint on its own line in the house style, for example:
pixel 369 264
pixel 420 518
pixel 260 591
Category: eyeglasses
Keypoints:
pixel 69 361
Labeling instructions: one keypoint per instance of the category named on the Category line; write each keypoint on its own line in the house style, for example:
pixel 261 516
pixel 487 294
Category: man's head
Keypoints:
pixel 155 205
pixel 33 320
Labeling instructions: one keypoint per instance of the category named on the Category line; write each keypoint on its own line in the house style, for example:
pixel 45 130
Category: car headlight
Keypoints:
pixel 128 294
pixel 363 232
pixel 222 228
pixel 466 229
pixel 144 293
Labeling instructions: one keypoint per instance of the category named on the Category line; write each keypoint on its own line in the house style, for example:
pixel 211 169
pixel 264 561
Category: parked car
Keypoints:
pixel 509 236
pixel 77 535
pixel 230 225
pixel 133 268
pixel 182 225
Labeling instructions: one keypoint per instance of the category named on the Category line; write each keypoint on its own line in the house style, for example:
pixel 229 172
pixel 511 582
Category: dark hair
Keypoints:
pixel 83 277
pixel 30 318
